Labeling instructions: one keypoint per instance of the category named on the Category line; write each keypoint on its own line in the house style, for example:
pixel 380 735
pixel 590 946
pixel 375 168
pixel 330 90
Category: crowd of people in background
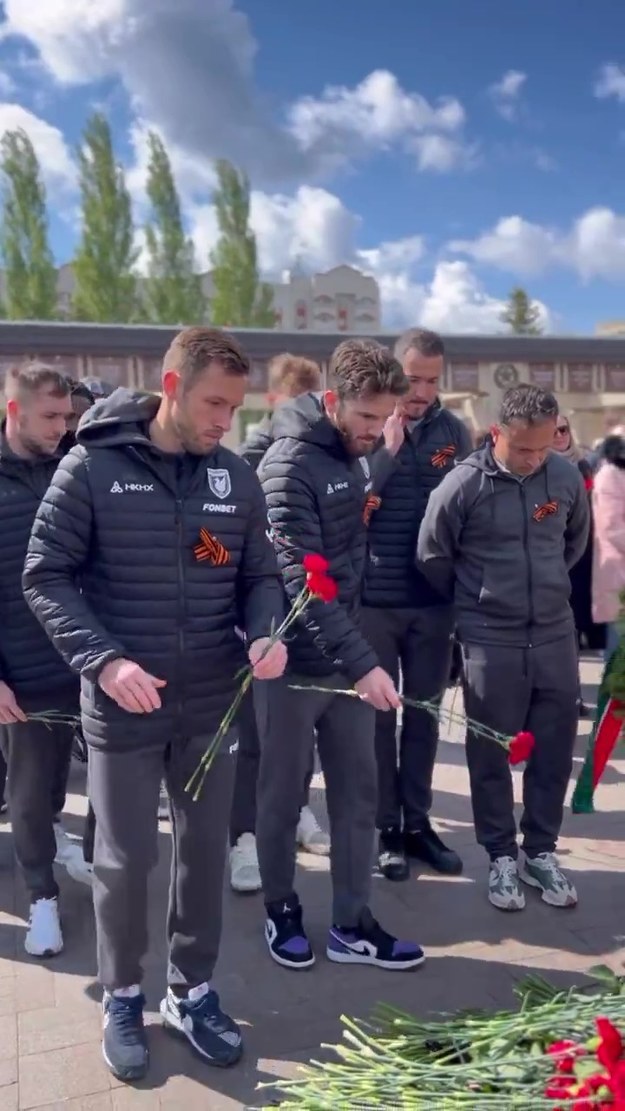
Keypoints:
pixel 144 564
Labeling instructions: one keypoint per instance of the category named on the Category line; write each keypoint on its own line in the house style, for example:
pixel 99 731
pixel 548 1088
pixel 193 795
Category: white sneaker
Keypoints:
pixel 543 872
pixel 310 835
pixel 244 870
pixel 44 937
pixel 163 805
pixel 70 855
pixel 504 887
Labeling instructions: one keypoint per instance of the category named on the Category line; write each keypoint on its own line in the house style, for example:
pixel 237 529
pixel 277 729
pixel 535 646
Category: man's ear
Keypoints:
pixel 330 402
pixel 171 381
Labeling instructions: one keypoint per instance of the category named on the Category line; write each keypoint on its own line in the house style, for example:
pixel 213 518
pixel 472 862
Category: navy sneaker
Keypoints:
pixel 211 1033
pixel 124 1044
pixel 285 934
pixel 368 943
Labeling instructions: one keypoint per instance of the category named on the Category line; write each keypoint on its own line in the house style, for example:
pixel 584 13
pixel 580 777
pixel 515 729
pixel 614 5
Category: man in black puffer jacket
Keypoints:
pixel 33 677
pixel 316 496
pixel 148 545
pixel 407 622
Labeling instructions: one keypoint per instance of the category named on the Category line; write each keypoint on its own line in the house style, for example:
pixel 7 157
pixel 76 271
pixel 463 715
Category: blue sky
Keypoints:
pixel 453 149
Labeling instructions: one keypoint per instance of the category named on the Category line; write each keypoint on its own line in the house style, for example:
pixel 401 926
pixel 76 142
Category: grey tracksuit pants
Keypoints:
pixel 345 727
pixel 124 791
pixel 513 689
pixel 419 642
pixel 38 758
pixel 243 814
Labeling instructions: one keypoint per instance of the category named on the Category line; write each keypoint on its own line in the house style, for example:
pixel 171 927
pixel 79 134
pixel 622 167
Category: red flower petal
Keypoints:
pixel 322 586
pixel 520 748
pixel 315 564
pixel 610 1051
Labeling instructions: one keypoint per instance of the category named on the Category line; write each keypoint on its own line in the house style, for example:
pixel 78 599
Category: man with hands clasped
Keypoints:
pixel 148 548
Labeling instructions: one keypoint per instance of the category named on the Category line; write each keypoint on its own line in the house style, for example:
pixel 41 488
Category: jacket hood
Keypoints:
pixel 304 418
pixel 614 451
pixel 261 437
pixel 118 419
pixel 482 460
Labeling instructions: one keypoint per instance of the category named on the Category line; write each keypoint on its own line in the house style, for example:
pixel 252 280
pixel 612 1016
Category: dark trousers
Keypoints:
pixel 513 689
pixel 287 720
pixel 38 758
pixel 124 790
pixel 3 764
pixel 419 643
pixel 243 816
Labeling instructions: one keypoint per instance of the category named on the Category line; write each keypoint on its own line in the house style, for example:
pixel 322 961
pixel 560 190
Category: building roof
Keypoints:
pixel 150 341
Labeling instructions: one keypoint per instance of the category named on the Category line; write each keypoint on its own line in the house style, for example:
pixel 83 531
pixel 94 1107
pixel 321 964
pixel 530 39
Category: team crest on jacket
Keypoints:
pixel 219 482
pixel 440 458
pixel 546 510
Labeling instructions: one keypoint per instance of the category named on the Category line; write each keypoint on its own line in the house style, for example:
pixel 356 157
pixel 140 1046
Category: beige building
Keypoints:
pixel 587 373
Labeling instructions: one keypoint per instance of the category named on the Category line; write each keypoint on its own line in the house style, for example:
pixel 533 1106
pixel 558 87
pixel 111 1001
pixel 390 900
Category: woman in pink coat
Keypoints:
pixel 608 570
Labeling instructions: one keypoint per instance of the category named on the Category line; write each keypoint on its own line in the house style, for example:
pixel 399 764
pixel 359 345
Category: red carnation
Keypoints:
pixel 322 586
pixel 316 564
pixel 611 1046
pixel 588 483
pixel 520 748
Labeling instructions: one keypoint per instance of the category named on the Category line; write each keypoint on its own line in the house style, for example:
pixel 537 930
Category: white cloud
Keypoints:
pixel 593 246
pixel 506 93
pixel 188 65
pixel 442 153
pixel 611 82
pixel 56 162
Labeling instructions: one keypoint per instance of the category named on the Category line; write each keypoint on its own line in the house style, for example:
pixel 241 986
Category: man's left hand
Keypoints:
pixel 268 660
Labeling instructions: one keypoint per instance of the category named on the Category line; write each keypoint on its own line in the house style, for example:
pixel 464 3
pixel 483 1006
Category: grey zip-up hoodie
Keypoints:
pixel 501 547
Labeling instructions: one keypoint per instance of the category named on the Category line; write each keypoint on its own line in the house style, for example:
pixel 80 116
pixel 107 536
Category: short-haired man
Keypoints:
pixel 315 489
pixel 149 541
pixel 405 619
pixel 500 535
pixel 33 677
pixel 289 377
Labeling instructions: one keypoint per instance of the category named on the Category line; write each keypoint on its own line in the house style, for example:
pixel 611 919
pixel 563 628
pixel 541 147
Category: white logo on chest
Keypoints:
pixel 333 487
pixel 219 482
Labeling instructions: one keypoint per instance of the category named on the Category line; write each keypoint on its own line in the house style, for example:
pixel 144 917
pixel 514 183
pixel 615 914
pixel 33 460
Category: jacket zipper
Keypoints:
pixel 526 547
pixel 181 603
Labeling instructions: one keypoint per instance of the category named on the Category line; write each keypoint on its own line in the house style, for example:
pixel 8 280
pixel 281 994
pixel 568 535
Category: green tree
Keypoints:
pixel 521 315
pixel 240 298
pixel 173 293
pixel 29 273
pixel 106 286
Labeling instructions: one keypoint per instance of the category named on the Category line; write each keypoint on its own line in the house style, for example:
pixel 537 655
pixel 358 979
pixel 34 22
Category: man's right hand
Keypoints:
pixel 377 688
pixel 132 688
pixel 10 712
pixel 394 431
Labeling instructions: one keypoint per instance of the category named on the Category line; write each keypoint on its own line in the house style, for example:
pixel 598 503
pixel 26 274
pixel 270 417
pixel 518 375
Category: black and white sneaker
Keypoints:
pixel 211 1033
pixel 124 1043
pixel 285 934
pixel 368 943
pixel 392 859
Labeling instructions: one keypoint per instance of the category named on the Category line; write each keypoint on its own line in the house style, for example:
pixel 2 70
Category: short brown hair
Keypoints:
pixel 428 344
pixel 363 368
pixel 30 377
pixel 293 375
pixel 194 349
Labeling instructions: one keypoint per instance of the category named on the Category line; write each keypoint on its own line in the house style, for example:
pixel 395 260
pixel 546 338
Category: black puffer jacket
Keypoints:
pixel 316 496
pixel 257 441
pixel 404 483
pixel 28 662
pixel 126 520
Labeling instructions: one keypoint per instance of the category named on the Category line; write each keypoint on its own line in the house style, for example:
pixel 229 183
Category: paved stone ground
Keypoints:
pixel 49 1017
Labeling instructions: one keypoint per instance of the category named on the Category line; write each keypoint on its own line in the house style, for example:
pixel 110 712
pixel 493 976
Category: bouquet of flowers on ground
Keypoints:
pixel 561 1051
pixel 319 585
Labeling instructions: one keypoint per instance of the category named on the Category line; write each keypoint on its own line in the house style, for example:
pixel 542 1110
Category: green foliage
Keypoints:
pixel 173 290
pixel 521 314
pixel 240 299
pixel 105 289
pixel 29 271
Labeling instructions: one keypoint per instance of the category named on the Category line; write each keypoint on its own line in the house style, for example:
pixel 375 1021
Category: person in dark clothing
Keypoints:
pixel 499 537
pixel 289 376
pixel 147 543
pixel 33 677
pixel 405 620
pixel 316 492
